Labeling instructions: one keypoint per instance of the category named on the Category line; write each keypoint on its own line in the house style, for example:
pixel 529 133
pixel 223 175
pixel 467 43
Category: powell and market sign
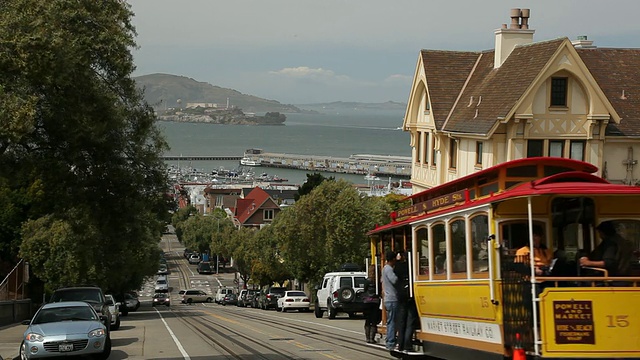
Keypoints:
pixel 431 204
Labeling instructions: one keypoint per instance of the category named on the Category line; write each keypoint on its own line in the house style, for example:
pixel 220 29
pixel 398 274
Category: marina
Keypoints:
pixel 359 164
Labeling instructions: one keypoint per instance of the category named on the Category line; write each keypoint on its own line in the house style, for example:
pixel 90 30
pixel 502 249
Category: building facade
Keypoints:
pixel 469 110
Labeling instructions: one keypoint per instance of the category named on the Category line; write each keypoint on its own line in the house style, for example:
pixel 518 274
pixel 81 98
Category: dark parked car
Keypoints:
pixel 90 294
pixel 205 268
pixel 268 298
pixel 230 299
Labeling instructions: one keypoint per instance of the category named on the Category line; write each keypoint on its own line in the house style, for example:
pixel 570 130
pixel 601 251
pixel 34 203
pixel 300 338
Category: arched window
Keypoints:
pixel 479 244
pixel 422 239
pixel 458 233
pixel 439 250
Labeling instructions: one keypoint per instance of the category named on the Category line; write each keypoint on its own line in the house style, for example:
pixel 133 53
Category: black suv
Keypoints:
pixel 268 298
pixel 90 294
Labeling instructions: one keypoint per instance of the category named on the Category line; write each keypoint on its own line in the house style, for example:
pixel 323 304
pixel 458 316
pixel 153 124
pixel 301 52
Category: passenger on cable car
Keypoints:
pixel 614 253
pixel 541 255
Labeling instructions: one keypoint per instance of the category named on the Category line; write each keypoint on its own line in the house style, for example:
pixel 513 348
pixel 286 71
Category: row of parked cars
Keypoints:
pixel 274 297
pixel 75 321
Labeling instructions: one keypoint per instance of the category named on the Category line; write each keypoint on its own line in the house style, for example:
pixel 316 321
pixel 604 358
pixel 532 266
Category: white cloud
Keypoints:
pixel 398 78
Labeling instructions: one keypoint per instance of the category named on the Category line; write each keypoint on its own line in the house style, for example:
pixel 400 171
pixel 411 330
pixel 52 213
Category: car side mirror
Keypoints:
pixel 25 322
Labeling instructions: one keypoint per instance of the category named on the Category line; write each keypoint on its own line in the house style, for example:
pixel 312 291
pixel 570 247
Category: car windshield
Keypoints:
pixel 87 295
pixel 161 282
pixel 279 291
pixel 160 296
pixel 296 293
pixel 71 313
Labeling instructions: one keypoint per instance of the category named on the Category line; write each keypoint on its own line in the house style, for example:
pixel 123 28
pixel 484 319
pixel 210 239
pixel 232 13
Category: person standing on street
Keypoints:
pixel 389 280
pixel 372 306
pixel 407 313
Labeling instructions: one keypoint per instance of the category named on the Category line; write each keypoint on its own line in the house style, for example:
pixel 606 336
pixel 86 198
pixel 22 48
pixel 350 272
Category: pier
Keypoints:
pixel 199 157
pixel 360 164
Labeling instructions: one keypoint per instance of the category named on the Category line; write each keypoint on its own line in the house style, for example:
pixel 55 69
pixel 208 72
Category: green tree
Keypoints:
pixel 268 264
pixel 327 228
pixel 179 218
pixel 79 147
pixel 197 232
pixel 244 251
pixel 313 180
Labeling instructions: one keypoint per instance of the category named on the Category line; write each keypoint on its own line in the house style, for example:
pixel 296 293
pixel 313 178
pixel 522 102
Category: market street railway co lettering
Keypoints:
pixel 574 322
pixel 432 204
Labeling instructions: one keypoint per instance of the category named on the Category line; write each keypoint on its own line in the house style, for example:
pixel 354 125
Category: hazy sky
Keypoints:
pixel 302 51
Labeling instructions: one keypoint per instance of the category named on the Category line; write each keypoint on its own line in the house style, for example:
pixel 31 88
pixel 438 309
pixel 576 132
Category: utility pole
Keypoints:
pixel 218 250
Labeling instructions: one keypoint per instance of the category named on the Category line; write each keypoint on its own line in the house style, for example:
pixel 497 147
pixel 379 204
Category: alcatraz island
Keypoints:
pixel 201 113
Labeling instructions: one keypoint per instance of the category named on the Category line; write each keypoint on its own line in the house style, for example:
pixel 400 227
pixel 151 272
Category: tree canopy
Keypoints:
pixel 82 186
pixel 327 228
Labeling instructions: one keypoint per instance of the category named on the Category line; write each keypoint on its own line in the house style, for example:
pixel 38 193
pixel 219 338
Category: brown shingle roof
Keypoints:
pixel 446 72
pixel 616 70
pixel 500 88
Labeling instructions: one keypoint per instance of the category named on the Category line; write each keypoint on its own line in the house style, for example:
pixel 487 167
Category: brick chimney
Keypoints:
pixel 518 33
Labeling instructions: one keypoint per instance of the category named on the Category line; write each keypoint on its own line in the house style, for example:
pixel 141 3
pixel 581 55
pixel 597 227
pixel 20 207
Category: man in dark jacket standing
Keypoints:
pixel 407 313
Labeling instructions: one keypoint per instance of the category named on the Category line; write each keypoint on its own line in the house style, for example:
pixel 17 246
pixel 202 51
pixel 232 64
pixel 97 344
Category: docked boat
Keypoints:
pixel 247 161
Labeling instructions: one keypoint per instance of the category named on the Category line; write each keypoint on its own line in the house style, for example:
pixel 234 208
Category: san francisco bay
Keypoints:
pixel 333 133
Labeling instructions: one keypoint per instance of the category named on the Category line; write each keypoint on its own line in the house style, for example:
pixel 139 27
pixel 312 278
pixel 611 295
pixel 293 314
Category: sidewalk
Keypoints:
pixel 10 339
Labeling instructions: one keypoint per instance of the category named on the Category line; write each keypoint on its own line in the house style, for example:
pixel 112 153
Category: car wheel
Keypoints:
pixel 107 350
pixel 209 300
pixel 331 311
pixel 137 306
pixel 317 311
pixel 116 326
pixel 23 351
pixel 189 301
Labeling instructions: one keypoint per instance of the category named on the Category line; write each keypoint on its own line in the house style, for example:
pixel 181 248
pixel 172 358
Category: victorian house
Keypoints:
pixel 256 209
pixel 469 110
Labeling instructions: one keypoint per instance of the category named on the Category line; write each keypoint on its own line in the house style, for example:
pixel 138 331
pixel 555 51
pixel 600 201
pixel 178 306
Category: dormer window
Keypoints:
pixel 268 214
pixel 559 91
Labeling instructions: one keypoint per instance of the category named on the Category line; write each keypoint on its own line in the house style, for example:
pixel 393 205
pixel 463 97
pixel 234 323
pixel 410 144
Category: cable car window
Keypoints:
pixel 458 232
pixel 479 234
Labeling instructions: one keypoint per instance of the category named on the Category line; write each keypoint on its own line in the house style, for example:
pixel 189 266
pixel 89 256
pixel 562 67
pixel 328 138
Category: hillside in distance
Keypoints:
pixel 348 105
pixel 165 91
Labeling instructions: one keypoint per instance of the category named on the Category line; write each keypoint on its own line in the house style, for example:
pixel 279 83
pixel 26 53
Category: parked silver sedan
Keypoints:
pixel 63 329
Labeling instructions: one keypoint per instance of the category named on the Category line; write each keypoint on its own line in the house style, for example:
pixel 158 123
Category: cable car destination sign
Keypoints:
pixel 431 204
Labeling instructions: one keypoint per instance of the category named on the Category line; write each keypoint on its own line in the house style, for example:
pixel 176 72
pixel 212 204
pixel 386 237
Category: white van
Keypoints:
pixel 220 294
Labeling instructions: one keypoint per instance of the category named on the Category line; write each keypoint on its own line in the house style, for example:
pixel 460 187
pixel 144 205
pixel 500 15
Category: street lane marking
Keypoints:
pixel 303 347
pixel 175 339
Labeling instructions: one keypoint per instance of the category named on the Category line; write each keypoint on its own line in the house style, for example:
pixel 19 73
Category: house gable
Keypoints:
pixel 439 77
pixel 586 104
pixel 249 211
pixel 492 93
